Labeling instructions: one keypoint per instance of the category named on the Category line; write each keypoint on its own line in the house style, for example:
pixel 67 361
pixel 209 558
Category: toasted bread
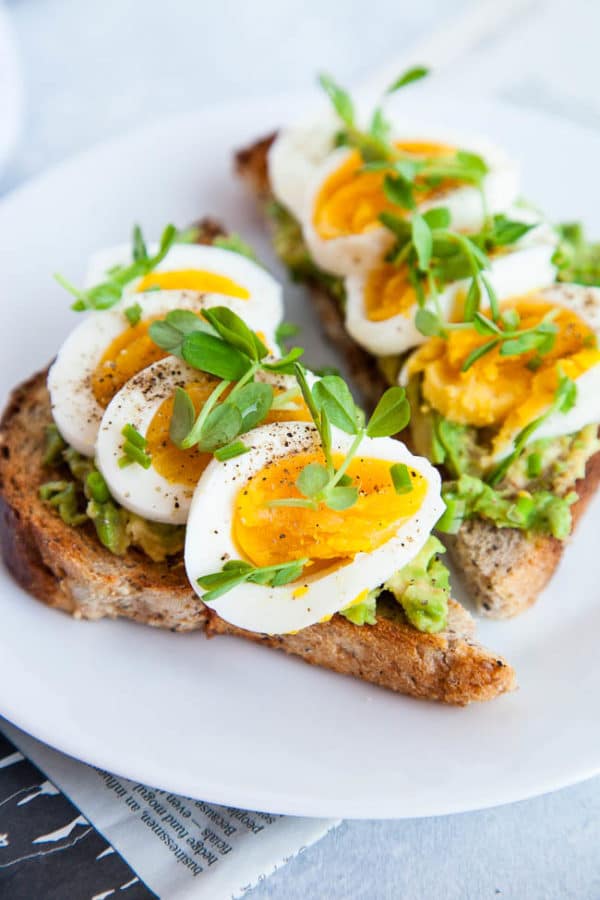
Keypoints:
pixel 504 569
pixel 68 569
pixel 65 567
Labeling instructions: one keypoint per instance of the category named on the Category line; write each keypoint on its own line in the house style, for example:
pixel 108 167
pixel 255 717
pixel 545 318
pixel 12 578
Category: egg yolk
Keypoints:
pixel 502 392
pixel 351 200
pixel 193 280
pixel 269 535
pixel 124 357
pixel 388 292
pixel 186 466
pixel 175 465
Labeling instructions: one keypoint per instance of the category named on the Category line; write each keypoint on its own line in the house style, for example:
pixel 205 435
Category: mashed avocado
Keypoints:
pixel 85 498
pixel 536 493
pixel 421 588
pixel 291 249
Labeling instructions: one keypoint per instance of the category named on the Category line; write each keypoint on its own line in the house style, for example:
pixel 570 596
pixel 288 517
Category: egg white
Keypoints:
pixel 75 409
pixel 295 171
pixel 525 268
pixel 585 302
pixel 275 610
pixel 264 290
pixel 145 491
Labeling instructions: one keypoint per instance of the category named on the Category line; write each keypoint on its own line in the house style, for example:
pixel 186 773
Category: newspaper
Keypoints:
pixel 117 837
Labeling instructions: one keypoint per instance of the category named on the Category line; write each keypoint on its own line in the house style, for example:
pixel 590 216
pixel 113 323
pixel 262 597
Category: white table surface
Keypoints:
pixel 93 70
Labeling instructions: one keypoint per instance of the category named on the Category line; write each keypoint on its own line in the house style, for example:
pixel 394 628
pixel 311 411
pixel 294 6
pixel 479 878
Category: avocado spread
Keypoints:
pixel 421 588
pixel 536 492
pixel 84 497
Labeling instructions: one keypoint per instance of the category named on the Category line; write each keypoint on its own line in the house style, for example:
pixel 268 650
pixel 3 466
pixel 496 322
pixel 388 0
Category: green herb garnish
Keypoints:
pixel 134 448
pixel 237 571
pixel 564 400
pixel 110 291
pixel 223 346
pixel 331 403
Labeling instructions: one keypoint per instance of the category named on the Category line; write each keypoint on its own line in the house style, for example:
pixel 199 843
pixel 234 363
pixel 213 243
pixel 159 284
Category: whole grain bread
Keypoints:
pixel 503 569
pixel 67 568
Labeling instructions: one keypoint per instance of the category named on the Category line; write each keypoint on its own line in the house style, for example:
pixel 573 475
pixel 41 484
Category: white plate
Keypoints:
pixel 238 724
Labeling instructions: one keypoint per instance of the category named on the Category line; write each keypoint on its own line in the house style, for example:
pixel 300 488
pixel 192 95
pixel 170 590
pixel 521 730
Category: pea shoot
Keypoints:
pixel 330 402
pixel 110 291
pixel 238 571
pixel 406 175
pixel 220 344
pixel 564 400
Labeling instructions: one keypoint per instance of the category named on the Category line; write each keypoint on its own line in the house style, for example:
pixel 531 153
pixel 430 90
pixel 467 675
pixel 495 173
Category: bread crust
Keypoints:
pixel 503 569
pixel 67 568
pixel 450 667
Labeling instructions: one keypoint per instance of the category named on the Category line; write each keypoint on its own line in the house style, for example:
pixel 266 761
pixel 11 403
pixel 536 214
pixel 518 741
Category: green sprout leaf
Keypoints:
pixel 312 479
pixel 391 415
pixel 211 354
pixel 253 402
pixel 422 241
pixel 415 73
pixel 340 99
pixel 235 331
pixel 182 418
pixel 221 426
pixel 332 394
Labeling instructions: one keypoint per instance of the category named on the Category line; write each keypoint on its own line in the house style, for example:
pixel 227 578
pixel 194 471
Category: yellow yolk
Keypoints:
pixel 127 355
pixel 178 466
pixel 186 466
pixel 388 293
pixel 351 200
pixel 501 392
pixel 193 280
pixel 268 535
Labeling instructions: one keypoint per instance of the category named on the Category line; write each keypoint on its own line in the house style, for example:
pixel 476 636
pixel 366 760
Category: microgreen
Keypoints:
pixel 223 346
pixel 284 332
pixel 577 259
pixel 237 571
pixel 510 339
pixel 134 448
pixel 331 403
pixel 108 292
pixel 564 400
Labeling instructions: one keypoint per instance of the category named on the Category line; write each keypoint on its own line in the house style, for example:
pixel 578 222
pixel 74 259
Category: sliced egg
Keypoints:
pixel 349 552
pixel 197 267
pixel 104 351
pixel 163 492
pixel 381 303
pixel 505 393
pixel 340 218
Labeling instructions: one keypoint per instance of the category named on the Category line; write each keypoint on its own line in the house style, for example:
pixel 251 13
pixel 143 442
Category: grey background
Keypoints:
pixel 93 70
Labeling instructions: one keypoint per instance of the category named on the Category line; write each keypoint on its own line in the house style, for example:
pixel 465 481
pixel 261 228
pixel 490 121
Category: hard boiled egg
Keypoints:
pixel 506 393
pixel 381 303
pixel 350 552
pixel 104 351
pixel 162 492
pixel 341 202
pixel 197 267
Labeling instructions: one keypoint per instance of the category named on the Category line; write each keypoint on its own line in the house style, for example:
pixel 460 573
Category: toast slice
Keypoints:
pixel 503 569
pixel 67 568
